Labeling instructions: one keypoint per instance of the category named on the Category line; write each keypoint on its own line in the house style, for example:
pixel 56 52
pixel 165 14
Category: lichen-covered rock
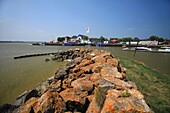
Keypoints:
pixel 83 84
pixel 116 102
pixel 92 82
pixel 50 102
pixel 111 71
pixel 94 106
pixel 75 99
pixel 61 73
pixel 56 86
pixel 28 106
pixel 100 59
pixel 113 61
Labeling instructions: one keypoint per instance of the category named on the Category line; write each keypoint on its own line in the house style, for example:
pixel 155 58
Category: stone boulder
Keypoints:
pixel 49 102
pixel 84 84
pixel 75 99
pixel 124 101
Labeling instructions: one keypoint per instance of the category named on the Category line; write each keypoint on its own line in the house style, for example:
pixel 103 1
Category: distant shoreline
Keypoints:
pixel 18 41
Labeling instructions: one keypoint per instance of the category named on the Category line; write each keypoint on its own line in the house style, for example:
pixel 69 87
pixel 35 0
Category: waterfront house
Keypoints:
pixel 83 39
pixel 73 39
pixel 67 38
pixel 113 40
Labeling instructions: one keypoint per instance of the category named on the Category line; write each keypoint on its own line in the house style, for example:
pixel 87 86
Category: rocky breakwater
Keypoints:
pixel 92 82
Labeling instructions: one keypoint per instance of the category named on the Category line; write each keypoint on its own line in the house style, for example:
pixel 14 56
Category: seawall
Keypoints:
pixel 93 82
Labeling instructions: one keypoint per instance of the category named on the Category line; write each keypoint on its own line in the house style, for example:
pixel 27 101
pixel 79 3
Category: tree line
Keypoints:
pixel 126 39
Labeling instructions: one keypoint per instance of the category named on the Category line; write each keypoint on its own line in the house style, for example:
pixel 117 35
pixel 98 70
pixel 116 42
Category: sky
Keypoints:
pixel 44 20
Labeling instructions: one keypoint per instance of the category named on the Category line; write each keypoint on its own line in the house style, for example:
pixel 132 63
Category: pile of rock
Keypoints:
pixel 92 82
pixel 69 54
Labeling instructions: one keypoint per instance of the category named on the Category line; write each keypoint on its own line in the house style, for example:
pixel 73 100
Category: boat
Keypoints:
pixel 67 44
pixel 137 48
pixel 79 44
pixel 53 44
pixel 101 45
pixel 38 44
pixel 74 44
pixel 164 49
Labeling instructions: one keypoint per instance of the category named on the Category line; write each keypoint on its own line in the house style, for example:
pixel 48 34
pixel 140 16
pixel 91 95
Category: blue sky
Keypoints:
pixel 43 20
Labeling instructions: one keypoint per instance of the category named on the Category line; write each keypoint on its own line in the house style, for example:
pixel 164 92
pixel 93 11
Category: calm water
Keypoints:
pixel 19 75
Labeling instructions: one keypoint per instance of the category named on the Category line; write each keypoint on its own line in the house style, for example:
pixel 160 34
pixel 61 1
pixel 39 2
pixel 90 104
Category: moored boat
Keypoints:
pixel 67 44
pixel 137 48
pixel 101 45
pixel 164 49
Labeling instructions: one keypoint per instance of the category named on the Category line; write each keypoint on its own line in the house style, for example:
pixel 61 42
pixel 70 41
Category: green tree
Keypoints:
pixel 102 39
pixel 74 36
pixel 160 39
pixel 152 38
pixel 60 39
pixel 85 37
pixel 127 39
pixel 136 39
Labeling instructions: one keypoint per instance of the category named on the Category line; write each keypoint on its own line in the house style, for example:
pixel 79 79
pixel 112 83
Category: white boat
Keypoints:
pixel 164 49
pixel 137 48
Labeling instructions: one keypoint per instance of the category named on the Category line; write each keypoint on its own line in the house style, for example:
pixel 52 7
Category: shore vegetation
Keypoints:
pixel 154 85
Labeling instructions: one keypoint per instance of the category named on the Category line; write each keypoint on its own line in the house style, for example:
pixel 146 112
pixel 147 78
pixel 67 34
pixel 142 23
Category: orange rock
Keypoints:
pixel 82 64
pixel 111 71
pixel 95 77
pixel 72 94
pixel 136 93
pixel 88 68
pixel 83 84
pixel 28 106
pixel 66 83
pixel 82 50
pixel 75 99
pixel 75 69
pixel 94 107
pixel 120 84
pixel 123 74
pixel 90 97
pixel 114 92
pixel 78 60
pixel 119 75
pixel 100 59
pixel 96 69
pixel 104 54
pixel 113 61
pixel 123 69
pixel 89 57
pixel 78 74
pixel 85 62
pixel 118 104
pixel 96 52
pixel 50 101
pixel 56 85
